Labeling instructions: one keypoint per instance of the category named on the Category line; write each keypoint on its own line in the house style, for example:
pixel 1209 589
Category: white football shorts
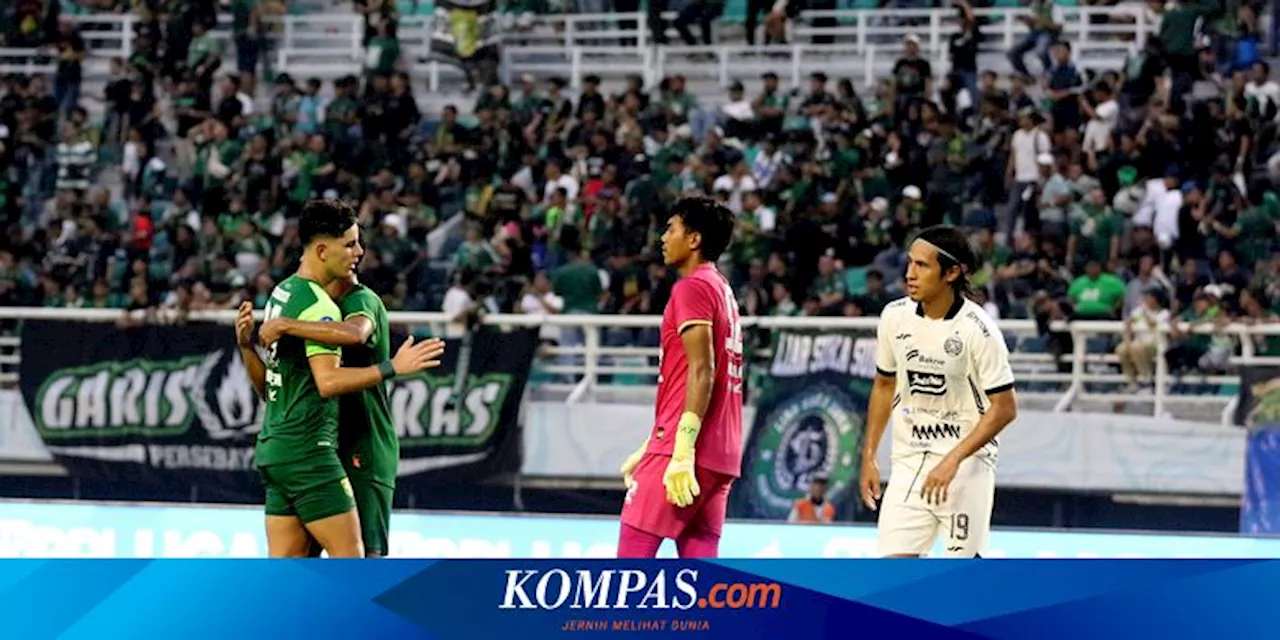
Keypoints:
pixel 908 525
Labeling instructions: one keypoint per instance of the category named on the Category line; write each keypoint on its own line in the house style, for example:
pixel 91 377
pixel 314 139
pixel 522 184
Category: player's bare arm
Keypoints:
pixel 696 340
pixel 878 407
pixel 352 332
pixel 334 380
pixel 1003 410
pixel 680 477
pixel 252 361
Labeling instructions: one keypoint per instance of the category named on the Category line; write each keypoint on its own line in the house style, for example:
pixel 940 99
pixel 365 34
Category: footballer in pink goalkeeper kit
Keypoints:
pixel 678 481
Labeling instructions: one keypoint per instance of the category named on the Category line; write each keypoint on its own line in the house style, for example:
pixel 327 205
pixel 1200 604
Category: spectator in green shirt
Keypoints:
pixel 1097 295
pixel 1203 351
pixel 204 56
pixel 578 282
pixel 1254 231
pixel 1095 234
pixel 1256 313
pixel 475 253
pixel 382 54
pixel 829 288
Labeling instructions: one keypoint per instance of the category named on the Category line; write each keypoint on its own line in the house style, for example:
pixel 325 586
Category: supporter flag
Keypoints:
pixel 1259 411
pixel 464 28
pixel 810 413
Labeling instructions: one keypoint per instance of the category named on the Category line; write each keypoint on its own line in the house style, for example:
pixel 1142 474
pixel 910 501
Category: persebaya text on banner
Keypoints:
pixel 171 408
pixel 742 599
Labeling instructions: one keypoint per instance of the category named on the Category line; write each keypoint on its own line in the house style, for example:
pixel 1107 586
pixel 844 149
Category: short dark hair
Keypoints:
pixel 713 221
pixel 954 250
pixel 325 219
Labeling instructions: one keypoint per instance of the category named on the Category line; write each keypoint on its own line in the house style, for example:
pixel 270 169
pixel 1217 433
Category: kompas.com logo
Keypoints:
pixel 631 589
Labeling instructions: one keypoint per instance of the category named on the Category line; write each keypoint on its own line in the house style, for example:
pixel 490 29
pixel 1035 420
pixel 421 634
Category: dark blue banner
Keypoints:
pixel 1259 411
pixel 466 600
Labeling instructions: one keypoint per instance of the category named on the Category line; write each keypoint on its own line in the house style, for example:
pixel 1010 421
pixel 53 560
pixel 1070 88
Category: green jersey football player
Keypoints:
pixel 308 494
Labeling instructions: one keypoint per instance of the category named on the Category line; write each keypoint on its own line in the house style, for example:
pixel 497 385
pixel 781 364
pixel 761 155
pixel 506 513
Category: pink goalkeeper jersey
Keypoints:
pixel 705 298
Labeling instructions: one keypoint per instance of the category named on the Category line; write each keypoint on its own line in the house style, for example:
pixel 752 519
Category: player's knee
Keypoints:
pixel 341 545
pixel 344 551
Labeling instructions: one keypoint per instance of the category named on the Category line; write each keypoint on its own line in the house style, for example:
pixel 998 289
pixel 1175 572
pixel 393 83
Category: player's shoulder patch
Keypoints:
pixel 281 294
pixel 974 315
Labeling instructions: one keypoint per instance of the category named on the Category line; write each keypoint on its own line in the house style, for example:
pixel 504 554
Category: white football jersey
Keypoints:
pixel 945 369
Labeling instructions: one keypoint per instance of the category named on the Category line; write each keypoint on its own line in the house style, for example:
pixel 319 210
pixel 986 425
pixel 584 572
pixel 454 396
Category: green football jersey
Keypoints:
pixel 299 423
pixel 366 435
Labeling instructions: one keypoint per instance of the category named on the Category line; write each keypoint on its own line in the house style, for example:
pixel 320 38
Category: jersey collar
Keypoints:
pixel 951 313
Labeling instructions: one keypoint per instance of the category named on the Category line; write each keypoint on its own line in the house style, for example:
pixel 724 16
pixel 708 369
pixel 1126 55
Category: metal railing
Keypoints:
pixel 587 367
pixel 331 44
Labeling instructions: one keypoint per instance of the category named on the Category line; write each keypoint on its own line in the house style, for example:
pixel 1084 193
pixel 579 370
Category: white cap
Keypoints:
pixel 912 38
pixel 880 204
pixel 912 192
pixel 393 220
pixel 1045 159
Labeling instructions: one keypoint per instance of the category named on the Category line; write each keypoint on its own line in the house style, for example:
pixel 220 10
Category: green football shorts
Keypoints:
pixel 312 489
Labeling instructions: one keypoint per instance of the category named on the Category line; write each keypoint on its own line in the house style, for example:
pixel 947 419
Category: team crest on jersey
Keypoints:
pixel 816 432
pixel 953 346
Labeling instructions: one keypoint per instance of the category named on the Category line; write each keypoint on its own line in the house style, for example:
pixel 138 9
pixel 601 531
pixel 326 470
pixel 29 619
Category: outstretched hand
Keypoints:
pixel 413 357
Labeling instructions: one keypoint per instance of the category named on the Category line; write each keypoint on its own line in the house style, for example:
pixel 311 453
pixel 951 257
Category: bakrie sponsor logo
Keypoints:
pixel 612 589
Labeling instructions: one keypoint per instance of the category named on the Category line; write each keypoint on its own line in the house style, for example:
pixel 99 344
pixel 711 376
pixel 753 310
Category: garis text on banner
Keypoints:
pixel 170 408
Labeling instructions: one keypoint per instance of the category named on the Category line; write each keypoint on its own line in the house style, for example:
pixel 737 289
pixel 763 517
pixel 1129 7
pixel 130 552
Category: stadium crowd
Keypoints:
pixel 1135 193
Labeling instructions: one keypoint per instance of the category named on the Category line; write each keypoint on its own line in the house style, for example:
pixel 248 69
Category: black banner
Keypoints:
pixel 170 409
pixel 809 419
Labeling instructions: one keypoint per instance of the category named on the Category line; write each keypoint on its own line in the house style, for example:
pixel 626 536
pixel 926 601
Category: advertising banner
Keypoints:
pixel 1259 411
pixel 809 418
pixel 171 408
pixel 87 530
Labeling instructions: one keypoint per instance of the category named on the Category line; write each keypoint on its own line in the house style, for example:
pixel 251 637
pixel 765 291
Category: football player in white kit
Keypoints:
pixel 942 370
